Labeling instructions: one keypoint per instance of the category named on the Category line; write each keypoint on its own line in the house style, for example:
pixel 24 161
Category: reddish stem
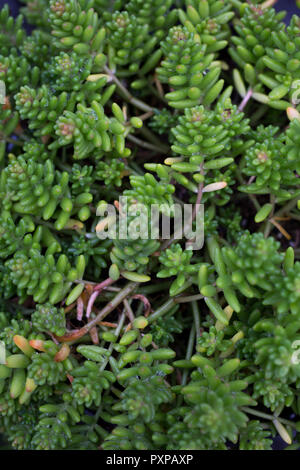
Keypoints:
pixel 246 99
pixel 104 284
pixel 94 335
pixel 145 301
pixel 76 334
pixel 97 289
pixel 80 307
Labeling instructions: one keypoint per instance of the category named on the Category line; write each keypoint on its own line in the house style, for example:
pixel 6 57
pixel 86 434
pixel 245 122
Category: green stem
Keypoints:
pixel 147 145
pixel 285 209
pixel 155 92
pixel 190 298
pixel 116 332
pixel 162 310
pixel 196 315
pixel 268 225
pixel 251 196
pixel 152 137
pixel 260 414
pixel 294 216
pixel 166 307
pixel 189 353
pixel 126 94
pixel 110 349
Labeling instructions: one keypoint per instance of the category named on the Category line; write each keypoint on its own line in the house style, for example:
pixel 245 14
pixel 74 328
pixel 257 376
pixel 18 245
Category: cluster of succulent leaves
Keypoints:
pixel 138 342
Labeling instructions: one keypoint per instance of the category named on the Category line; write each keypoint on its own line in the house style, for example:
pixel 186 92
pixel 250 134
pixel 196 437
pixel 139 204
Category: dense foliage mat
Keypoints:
pixel 137 342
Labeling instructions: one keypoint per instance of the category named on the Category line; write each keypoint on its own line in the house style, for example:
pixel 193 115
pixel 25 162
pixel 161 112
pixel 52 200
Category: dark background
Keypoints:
pixel 287 5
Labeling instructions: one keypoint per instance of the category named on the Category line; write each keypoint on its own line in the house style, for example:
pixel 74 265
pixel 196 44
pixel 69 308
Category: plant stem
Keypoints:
pixel 294 216
pixel 110 349
pixel 128 310
pixel 251 196
pixel 196 315
pixel 156 93
pixel 75 334
pixel 189 353
pixel 126 94
pixel 147 145
pixel 145 116
pixel 194 214
pixel 246 98
pixel 97 290
pixel 152 137
pixel 116 332
pixel 268 225
pixel 162 310
pixel 285 209
pixel 260 414
pixel 190 298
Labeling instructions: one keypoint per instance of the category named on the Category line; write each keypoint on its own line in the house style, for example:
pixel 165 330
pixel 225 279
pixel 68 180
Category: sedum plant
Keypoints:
pixel 141 342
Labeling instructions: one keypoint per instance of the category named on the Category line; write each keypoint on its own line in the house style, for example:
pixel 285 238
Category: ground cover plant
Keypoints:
pixel 135 342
